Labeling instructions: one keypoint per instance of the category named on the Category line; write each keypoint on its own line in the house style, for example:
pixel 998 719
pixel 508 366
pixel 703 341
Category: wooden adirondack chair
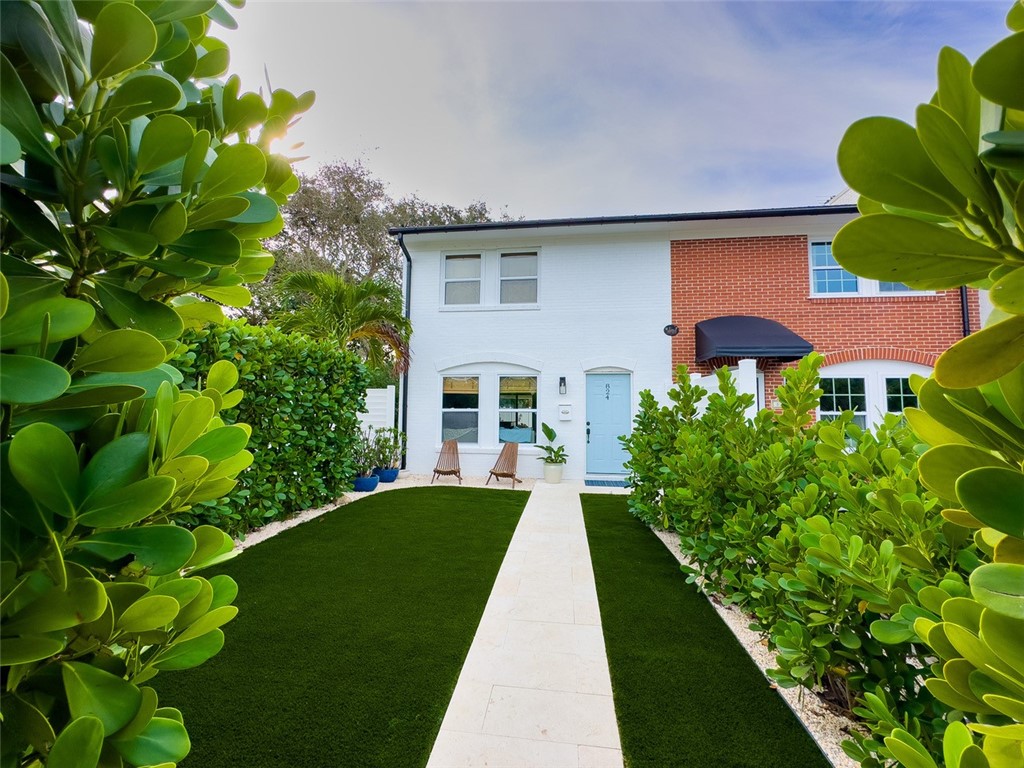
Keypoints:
pixel 448 461
pixel 505 466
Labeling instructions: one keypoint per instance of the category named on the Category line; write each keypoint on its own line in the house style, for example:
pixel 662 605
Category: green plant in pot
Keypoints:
pixel 364 457
pixel 554 457
pixel 389 444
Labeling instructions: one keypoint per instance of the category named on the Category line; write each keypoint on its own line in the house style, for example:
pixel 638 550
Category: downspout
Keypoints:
pixel 965 311
pixel 408 300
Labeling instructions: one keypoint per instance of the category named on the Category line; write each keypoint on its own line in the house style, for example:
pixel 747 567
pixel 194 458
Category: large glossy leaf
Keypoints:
pixel 10 149
pixel 941 466
pixel 1007 293
pixel 31 221
pixel 67 318
pixel 195 160
pixel 118 463
pixel 1002 634
pixel 1000 587
pixel 999 71
pixel 143 94
pixel 225 590
pixel 64 20
pixel 162 549
pixel 139 244
pixel 18 114
pixel 146 711
pixel 33 32
pixel 238 168
pixel 127 505
pixel 190 423
pixel 129 310
pixel 84 600
pixel 92 692
pixel 24 649
pixel 167 226
pixel 26 380
pixel 79 745
pixel 896 248
pixel 149 380
pixel 208 622
pixel 957 158
pixel 882 157
pixel 211 246
pixel 45 462
pixel 191 653
pixel 175 10
pixel 217 211
pixel 162 741
pixel 218 444
pixel 147 613
pixel 123 38
pixel 995 496
pixel 261 209
pixel 210 543
pixel 984 356
pixel 166 138
pixel 197 314
pixel 121 351
pixel 228 295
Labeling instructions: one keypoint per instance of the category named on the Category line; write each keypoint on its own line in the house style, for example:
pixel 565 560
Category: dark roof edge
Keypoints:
pixel 760 213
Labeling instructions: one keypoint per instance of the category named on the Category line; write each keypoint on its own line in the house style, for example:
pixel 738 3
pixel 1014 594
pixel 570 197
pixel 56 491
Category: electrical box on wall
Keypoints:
pixel 565 412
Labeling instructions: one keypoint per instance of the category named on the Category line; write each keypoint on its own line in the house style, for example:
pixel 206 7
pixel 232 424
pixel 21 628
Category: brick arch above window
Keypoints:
pixel 897 354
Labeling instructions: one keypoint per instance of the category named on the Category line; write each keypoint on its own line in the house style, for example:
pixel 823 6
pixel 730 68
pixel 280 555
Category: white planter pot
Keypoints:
pixel 553 473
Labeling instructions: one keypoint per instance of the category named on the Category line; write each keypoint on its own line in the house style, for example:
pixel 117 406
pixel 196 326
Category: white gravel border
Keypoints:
pixel 829 729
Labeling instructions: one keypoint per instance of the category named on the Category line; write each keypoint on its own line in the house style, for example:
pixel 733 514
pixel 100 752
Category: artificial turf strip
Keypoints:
pixel 686 693
pixel 351 633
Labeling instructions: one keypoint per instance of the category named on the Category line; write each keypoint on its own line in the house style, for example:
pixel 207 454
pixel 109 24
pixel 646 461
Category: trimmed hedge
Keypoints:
pixel 301 399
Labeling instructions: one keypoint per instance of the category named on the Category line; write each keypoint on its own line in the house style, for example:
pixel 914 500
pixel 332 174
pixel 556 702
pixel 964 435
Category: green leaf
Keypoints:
pixel 211 246
pixel 175 10
pixel 127 505
pixel 891 632
pixel 223 376
pixel 78 745
pixel 929 430
pixel 1007 292
pixel 118 463
pixel 36 38
pixel 1000 587
pixel 129 310
pixel 995 496
pixel 213 63
pixel 882 157
pixel 26 380
pixel 123 38
pixel 178 267
pixel 261 209
pixel 940 467
pixel 83 601
pixel 144 93
pixel 121 351
pixel 166 138
pixel 148 613
pixel 984 356
pixel 225 590
pixel 126 241
pixel 191 653
pixel 912 755
pixel 10 149
pixel 63 19
pixel 92 692
pixel 956 157
pixel 195 160
pixel 19 116
pixel 229 295
pixel 67 319
pixel 28 648
pixel 207 623
pixel 44 461
pixel 163 740
pixel 217 211
pixel 210 543
pixel 162 549
pixel 149 380
pixel 31 222
pixel 197 314
pixel 998 68
pixel 146 711
pixel 238 168
pixel 1002 635
pixel 926 256
pixel 218 444
pixel 190 423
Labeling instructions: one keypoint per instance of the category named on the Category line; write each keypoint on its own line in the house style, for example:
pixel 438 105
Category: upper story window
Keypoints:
pixel 462 279
pixel 828 278
pixel 518 278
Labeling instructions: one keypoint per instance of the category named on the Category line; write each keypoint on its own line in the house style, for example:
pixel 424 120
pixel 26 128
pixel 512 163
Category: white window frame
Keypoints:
pixel 490 280
pixel 874 373
pixel 865 286
pixel 536 405
pixel 445 280
pixel 519 279
pixel 479 395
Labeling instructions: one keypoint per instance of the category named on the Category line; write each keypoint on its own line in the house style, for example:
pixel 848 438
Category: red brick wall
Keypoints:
pixel 770 277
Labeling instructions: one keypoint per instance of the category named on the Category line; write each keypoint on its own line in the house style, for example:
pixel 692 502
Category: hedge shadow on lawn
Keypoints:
pixel 351 633
pixel 686 693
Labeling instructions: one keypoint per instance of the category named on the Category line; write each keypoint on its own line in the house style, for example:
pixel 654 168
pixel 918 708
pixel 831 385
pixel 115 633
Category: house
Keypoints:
pixel 565 321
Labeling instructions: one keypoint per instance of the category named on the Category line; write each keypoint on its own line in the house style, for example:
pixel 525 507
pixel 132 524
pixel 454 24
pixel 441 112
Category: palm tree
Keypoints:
pixel 365 317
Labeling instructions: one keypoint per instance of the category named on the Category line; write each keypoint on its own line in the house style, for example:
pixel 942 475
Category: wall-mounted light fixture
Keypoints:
pixel 561 385
pixel 671 330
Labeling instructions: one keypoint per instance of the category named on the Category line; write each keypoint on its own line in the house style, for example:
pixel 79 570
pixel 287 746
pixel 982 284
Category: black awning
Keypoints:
pixel 746 336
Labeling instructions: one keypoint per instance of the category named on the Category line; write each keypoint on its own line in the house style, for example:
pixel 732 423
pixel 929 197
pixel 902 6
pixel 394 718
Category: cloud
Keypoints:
pixel 568 109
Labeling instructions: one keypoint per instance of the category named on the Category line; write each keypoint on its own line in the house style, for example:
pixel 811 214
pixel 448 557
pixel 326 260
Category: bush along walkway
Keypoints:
pixel 351 633
pixel 686 693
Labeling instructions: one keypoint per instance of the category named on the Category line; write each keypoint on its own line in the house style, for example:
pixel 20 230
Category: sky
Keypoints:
pixel 548 110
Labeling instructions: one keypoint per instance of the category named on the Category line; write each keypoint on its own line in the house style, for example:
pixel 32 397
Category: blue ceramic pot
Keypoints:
pixel 386 475
pixel 365 484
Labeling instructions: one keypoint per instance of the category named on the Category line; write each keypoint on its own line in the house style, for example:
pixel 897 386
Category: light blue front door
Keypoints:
pixel 608 417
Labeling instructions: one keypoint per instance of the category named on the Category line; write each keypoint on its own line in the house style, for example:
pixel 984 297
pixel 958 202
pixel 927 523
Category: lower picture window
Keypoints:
pixel 843 394
pixel 517 409
pixel 460 408
pixel 899 395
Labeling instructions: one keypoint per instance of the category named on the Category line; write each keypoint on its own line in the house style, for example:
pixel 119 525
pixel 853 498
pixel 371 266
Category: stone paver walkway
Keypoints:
pixel 535 690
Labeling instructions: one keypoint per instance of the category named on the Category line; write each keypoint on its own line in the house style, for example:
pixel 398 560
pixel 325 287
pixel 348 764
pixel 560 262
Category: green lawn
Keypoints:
pixel 686 693
pixel 351 634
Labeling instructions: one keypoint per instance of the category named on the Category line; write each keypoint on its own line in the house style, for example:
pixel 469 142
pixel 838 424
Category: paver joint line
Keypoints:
pixel 519 701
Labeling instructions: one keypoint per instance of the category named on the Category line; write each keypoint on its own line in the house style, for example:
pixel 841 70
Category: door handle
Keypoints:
pixel 588 433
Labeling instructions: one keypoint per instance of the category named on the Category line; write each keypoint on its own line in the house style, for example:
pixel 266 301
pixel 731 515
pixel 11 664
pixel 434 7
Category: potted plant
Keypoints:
pixel 389 446
pixel 364 456
pixel 554 457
